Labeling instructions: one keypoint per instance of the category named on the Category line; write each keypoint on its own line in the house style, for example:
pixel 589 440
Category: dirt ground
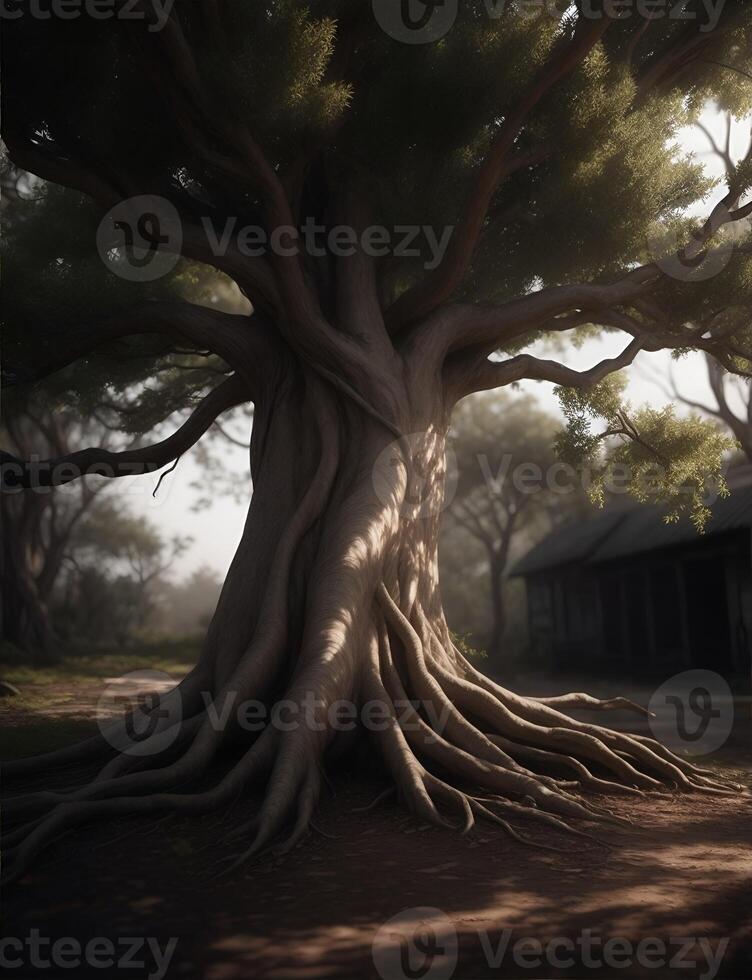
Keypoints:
pixel 468 907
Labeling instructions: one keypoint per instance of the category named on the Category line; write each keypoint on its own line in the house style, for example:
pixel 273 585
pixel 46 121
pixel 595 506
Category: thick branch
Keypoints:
pixel 246 162
pixel 479 330
pixel 252 274
pixel 24 474
pixel 499 164
pixel 494 374
pixel 465 326
pixel 247 344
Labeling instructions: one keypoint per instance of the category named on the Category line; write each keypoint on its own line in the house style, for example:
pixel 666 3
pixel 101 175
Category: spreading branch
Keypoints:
pixel 500 163
pixel 247 344
pixel 496 374
pixel 20 474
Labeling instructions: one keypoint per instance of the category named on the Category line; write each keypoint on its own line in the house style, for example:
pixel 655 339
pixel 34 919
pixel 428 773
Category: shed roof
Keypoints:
pixel 619 532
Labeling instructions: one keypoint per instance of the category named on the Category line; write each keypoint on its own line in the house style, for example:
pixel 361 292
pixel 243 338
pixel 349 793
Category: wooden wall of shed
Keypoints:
pixel 637 616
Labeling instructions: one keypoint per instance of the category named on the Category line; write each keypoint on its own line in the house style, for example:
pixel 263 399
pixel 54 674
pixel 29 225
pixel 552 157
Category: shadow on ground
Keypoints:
pixel 682 876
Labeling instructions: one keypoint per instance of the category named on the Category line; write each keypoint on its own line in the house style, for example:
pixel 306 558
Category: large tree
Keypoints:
pixel 114 576
pixel 731 402
pixel 38 527
pixel 547 145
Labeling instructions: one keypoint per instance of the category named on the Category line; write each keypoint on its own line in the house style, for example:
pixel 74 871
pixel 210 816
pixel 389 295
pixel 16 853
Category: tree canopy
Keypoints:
pixel 512 130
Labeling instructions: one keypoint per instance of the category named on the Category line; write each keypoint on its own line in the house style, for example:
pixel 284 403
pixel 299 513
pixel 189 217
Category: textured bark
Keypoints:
pixel 334 591
pixel 333 596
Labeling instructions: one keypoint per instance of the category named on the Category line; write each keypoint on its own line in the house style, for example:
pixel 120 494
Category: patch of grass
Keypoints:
pixel 56 705
pixel 79 667
pixel 463 644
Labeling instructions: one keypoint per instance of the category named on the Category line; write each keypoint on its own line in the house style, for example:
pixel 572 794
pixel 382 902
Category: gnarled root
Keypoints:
pixel 459 747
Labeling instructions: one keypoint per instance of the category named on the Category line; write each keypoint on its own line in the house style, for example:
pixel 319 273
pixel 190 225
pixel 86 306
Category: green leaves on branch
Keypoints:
pixel 272 69
pixel 651 454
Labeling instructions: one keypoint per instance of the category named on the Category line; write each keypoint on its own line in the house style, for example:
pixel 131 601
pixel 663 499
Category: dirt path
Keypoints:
pixel 683 873
pixel 315 913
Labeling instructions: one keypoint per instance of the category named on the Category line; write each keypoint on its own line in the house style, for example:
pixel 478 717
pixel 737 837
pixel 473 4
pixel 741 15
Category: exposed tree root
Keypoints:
pixel 69 815
pixel 591 703
pixel 383 795
pixel 458 747
pixel 334 590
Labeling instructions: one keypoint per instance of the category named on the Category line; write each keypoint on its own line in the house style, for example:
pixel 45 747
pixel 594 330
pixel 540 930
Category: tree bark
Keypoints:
pixel 333 598
pixel 333 595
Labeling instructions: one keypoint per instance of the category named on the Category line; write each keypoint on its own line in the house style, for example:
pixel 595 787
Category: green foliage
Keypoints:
pixel 318 82
pixel 652 454
pixel 276 72
pixel 463 644
pixel 55 280
pixel 409 123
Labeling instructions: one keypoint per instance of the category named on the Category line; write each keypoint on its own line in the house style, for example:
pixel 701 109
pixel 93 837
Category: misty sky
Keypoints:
pixel 216 530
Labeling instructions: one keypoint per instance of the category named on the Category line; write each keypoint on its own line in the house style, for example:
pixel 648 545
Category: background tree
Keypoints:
pixel 124 395
pixel 732 402
pixel 75 566
pixel 115 575
pixel 547 144
pixel 188 604
pixel 506 496
pixel 732 394
pixel 38 527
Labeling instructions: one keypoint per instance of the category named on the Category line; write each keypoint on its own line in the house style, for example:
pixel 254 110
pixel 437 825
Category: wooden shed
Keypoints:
pixel 626 592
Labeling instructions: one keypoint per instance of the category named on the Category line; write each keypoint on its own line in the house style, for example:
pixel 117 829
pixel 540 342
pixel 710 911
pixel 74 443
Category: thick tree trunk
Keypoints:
pixel 334 593
pixel 333 599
